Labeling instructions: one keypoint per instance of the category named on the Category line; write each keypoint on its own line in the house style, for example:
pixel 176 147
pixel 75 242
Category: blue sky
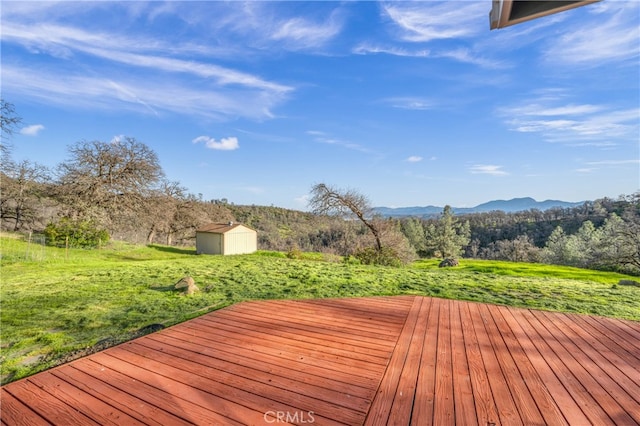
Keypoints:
pixel 411 103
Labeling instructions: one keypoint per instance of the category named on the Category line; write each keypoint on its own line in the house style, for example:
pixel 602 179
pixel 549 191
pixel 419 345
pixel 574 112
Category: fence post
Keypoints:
pixel 26 254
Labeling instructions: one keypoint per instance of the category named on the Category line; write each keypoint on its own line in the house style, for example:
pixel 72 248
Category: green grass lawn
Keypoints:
pixel 56 302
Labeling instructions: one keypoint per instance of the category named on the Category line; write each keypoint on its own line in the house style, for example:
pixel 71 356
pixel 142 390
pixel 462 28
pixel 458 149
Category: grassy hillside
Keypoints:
pixel 57 304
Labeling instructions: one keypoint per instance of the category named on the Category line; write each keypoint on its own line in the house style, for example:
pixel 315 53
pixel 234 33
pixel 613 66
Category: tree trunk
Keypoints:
pixel 151 235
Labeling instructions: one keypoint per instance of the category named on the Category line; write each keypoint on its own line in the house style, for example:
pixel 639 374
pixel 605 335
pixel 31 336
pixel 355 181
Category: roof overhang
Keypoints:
pixel 510 12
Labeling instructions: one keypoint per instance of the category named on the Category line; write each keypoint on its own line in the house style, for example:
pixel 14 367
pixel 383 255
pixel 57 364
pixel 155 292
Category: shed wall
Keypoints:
pixel 209 243
pixel 240 241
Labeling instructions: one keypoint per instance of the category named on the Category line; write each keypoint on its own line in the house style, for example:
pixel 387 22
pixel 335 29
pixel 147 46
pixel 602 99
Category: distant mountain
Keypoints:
pixel 507 206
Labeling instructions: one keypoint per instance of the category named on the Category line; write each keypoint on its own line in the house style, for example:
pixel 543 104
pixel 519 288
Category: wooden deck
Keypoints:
pixel 404 360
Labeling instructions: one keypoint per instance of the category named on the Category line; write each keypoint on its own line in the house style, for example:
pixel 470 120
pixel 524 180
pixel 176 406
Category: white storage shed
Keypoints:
pixel 226 238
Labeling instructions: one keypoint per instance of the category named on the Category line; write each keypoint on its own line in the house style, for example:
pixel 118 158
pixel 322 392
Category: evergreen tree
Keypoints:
pixel 448 236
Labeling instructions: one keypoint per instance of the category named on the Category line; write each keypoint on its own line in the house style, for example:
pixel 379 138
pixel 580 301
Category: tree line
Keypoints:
pixel 600 234
pixel 118 190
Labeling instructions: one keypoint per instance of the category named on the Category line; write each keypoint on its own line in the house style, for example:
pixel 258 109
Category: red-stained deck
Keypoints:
pixel 404 360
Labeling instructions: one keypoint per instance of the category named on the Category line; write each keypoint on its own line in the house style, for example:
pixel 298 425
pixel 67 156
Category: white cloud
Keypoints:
pixel 411 103
pixel 487 169
pixel 322 137
pixel 367 48
pixel 470 57
pixel 612 162
pixel 64 41
pixel 302 200
pixel 542 110
pixel 32 130
pixel 414 159
pixel 427 21
pixel 299 33
pixel 117 139
pixel 190 86
pixel 558 120
pixel 225 144
pixel 141 94
pixel 612 35
pixel 602 129
pixel 272 26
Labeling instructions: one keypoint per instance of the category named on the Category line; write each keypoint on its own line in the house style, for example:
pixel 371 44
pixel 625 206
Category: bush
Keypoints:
pixel 75 233
pixel 294 252
pixel 448 262
pixel 384 257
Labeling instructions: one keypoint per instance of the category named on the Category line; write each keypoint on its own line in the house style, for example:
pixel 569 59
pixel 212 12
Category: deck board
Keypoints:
pixel 462 387
pixel 404 360
pixel 503 399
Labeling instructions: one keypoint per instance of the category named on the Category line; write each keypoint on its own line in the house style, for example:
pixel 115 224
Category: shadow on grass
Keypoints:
pixel 117 256
pixel 163 288
pixel 175 250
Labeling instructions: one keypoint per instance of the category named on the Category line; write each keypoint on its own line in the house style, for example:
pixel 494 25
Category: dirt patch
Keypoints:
pixel 33 359
pixel 101 345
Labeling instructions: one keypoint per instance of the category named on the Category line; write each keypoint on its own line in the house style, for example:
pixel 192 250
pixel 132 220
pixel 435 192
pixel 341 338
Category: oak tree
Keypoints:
pixel 9 120
pixel 326 199
pixel 102 180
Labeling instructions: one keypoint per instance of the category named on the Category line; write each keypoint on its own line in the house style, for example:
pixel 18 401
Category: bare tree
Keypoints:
pixel 173 212
pixel 107 179
pixel 329 200
pixel 23 194
pixel 9 120
pixel 162 207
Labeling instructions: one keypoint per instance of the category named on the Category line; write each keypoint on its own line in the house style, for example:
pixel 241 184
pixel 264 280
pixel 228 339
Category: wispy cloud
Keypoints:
pixel 300 33
pixel 470 56
pixel 459 54
pixel 32 130
pixel 613 162
pixel 272 26
pixel 224 144
pixel 593 166
pixel 487 169
pixel 612 36
pixel 302 200
pixel 141 95
pixel 426 21
pixel 537 109
pixel 429 22
pixel 373 49
pixel 410 102
pixel 322 137
pixel 65 42
pixel 558 119
pixel 179 78
pixel 414 159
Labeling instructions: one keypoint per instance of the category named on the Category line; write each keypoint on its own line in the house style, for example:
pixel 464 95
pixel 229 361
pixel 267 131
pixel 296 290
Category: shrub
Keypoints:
pixel 385 256
pixel 75 233
pixel 448 262
pixel 294 252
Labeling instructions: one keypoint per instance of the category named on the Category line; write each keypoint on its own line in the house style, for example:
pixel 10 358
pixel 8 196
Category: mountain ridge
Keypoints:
pixel 508 206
